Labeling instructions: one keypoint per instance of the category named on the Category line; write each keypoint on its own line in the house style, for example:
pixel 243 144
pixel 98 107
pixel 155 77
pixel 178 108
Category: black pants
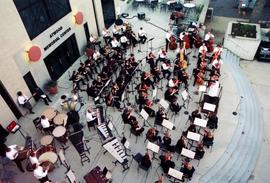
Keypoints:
pixel 167 45
pixel 46 99
pixel 28 106
pixel 164 72
pixel 44 179
pixel 143 39
pixel 19 164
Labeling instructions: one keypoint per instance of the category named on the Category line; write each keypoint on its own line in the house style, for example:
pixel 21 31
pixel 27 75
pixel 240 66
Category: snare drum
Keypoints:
pixel 60 133
pixel 46 140
pixel 60 119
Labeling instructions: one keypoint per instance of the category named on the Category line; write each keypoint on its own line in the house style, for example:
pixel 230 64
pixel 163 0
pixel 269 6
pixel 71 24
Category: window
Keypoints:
pixel 38 15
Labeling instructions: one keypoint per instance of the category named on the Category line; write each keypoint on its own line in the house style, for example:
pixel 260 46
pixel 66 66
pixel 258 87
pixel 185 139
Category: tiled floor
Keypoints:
pixel 227 122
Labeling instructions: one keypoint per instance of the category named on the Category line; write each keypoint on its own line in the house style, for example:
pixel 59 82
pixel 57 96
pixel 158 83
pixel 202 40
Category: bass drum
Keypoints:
pixel 47 156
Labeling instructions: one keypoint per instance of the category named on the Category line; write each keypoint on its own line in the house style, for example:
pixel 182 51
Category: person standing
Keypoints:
pixel 41 173
pixel 23 101
pixel 39 94
pixel 12 153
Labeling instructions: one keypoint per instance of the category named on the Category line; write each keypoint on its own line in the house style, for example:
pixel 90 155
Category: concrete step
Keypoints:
pixel 239 159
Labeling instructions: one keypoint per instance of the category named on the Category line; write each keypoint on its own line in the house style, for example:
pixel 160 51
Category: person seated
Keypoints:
pixel 112 101
pixel 191 128
pixel 166 162
pixel 160 116
pixel 39 94
pixel 73 117
pixel 151 60
pixel 174 106
pixel 127 116
pixel 124 42
pixel 91 117
pixel 94 41
pixel 136 128
pixel 188 170
pixel 181 143
pixel 83 71
pixel 142 35
pixel 115 44
pixel 41 173
pixel 33 157
pixel 160 179
pixel 167 142
pixel 76 78
pixel 212 122
pixel 146 161
pixel 208 138
pixel 199 153
pixel 145 78
pixel 92 91
pixel 165 68
pixel 170 95
pixel 196 114
pixel 152 135
pixel 155 72
pixel 47 127
pixel 147 107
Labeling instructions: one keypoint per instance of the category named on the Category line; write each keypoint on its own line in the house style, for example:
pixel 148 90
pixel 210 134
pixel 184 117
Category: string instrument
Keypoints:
pixel 182 62
pixel 210 45
pixel 186 41
pixel 172 43
pixel 203 65
pixel 198 41
pixel 174 90
pixel 200 79
pixel 148 103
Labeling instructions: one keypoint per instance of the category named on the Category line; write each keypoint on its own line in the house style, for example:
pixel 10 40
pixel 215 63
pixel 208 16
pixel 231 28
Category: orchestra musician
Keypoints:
pixel 186 41
pixel 187 170
pixel 151 59
pixel 216 65
pixel 142 35
pixel 91 117
pixel 160 116
pixel 76 78
pixel 94 41
pixel 136 128
pixel 41 173
pixel 90 67
pixel 146 161
pixel 183 77
pixel 97 58
pixel 181 39
pixel 12 153
pixel 167 40
pixel 124 42
pixel 113 101
pixel 209 39
pixel 208 138
pixel 116 32
pixel 147 107
pixel 217 51
pixel 133 39
pixel 106 35
pixel 145 78
pixel 127 116
pixel 202 49
pixel 39 94
pixel 162 55
pixel 115 44
pixel 174 83
pixel 84 72
pixel 170 95
pixel 155 72
pixel 166 162
pixel 46 125
pixel 23 101
pixel 165 68
pixel 152 135
pixel 167 142
pixel 181 143
pixel 174 106
pixel 199 153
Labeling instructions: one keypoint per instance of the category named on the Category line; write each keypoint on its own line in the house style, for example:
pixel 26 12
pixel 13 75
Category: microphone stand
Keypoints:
pixel 234 112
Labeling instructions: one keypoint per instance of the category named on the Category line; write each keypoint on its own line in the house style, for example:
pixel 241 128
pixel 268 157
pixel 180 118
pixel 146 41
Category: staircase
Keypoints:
pixel 239 159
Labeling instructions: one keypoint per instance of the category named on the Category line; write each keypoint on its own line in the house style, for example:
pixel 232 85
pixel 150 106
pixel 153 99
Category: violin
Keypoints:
pixel 200 80
pixel 172 43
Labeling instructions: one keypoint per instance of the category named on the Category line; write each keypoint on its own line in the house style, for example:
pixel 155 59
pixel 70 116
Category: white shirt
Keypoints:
pixel 92 39
pixel 168 36
pixel 105 33
pixel 161 54
pixel 202 49
pixel 115 43
pixel 141 33
pixel 96 55
pixel 123 39
pixel 208 36
pixel 13 153
pixel 213 89
pixel 216 61
pixel 182 35
pixel 218 49
pixel 45 123
pixel 171 83
pixel 115 31
pixel 90 116
pixel 39 173
pixel 22 99
pixel 33 160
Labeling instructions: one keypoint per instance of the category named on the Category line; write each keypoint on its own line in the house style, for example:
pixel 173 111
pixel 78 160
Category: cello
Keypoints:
pixel 172 43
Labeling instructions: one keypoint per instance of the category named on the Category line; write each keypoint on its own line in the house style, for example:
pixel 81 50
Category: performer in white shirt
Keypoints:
pixel 162 55
pixel 23 100
pixel 181 38
pixel 12 153
pixel 115 44
pixel 41 173
pixel 96 55
pixel 33 157
pixel 168 39
pixel 208 36
pixel 124 41
pixel 106 34
pixel 94 41
pixel 91 117
pixel 217 51
pixel 202 49
pixel 46 124
pixel 116 32
pixel 142 35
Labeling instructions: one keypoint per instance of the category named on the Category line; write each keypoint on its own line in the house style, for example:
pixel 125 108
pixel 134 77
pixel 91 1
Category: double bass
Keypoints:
pixel 172 43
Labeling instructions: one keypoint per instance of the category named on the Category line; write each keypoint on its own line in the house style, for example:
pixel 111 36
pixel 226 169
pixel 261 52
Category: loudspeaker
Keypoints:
pixel 141 16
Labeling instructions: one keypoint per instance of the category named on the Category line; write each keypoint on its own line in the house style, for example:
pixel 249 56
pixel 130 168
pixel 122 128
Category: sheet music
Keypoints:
pixel 187 153
pixel 202 88
pixel 116 150
pixel 209 107
pixel 200 122
pixel 123 96
pixel 167 124
pixel 184 94
pixel 144 114
pixel 153 147
pixel 110 125
pixel 193 136
pixel 126 144
pixel 164 104
pixel 175 173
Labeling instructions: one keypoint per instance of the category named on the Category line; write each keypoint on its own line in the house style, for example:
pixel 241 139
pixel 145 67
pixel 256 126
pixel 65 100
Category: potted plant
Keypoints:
pixel 51 87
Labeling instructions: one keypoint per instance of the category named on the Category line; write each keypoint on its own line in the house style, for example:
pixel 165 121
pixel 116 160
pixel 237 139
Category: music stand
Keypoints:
pixel 177 175
pixel 164 104
pixel 185 96
pixel 145 116
pixel 154 95
pixel 154 148
pixel 167 124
